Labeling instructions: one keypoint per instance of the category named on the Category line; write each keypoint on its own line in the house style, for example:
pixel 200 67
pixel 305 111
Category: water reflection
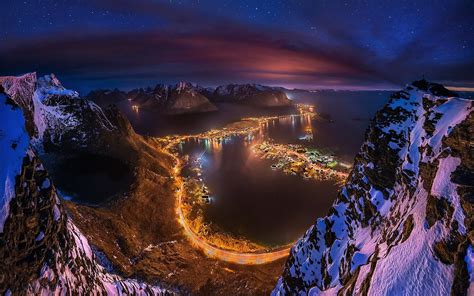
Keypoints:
pixel 250 199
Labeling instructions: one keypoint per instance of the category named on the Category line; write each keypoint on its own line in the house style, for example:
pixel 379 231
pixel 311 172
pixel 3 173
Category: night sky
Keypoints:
pixel 293 43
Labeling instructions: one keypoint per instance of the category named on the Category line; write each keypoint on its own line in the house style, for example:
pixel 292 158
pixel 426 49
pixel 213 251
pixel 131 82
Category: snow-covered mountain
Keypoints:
pixel 186 98
pixel 58 117
pixel 183 97
pixel 403 223
pixel 180 98
pixel 41 250
pixel 253 94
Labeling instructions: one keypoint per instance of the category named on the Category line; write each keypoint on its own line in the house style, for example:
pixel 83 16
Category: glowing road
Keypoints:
pixel 214 252
pixel 208 249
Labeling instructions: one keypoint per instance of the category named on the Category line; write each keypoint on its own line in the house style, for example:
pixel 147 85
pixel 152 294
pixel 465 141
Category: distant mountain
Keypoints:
pixel 181 98
pixel 41 250
pixel 252 94
pixel 187 98
pixel 105 97
pixel 403 224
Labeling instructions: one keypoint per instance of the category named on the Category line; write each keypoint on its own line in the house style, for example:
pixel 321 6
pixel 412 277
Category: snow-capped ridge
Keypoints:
pixel 402 220
pixel 53 113
pixel 180 98
pixel 41 250
pixel 20 89
pixel 251 93
pixel 49 85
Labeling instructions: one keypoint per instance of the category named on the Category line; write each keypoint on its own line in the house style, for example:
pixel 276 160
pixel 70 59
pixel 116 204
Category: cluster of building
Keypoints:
pixel 198 190
pixel 298 160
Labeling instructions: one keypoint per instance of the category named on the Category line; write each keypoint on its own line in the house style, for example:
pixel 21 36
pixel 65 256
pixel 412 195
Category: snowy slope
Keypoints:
pixel 13 146
pixel 402 224
pixel 55 115
pixel 41 250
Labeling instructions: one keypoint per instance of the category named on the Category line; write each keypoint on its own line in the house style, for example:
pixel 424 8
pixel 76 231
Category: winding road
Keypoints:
pixel 214 252
pixel 210 250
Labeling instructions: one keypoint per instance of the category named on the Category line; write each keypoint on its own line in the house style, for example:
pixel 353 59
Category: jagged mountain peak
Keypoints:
pixel 254 94
pixel 41 250
pixel 180 98
pixel 20 88
pixel 56 116
pixel 242 88
pixel 181 86
pixel 49 85
pixel 184 85
pixel 402 224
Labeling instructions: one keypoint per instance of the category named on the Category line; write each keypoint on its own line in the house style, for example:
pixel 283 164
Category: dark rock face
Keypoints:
pixel 34 230
pixel 253 94
pixel 434 88
pixel 65 127
pixel 104 98
pixel 403 223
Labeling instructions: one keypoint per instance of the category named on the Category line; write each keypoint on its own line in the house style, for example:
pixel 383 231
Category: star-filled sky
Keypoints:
pixel 294 43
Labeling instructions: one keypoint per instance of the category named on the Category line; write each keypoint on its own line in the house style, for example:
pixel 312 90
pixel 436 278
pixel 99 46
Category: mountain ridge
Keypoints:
pixel 186 97
pixel 401 224
pixel 41 249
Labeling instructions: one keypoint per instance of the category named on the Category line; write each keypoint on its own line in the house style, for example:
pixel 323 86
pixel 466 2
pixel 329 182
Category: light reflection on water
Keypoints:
pixel 250 199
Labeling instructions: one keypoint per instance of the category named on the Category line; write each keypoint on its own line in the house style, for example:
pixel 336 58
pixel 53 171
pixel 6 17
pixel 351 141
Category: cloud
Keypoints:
pixel 191 44
pixel 240 57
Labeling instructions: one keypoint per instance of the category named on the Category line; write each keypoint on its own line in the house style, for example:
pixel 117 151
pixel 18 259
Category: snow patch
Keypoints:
pixel 14 142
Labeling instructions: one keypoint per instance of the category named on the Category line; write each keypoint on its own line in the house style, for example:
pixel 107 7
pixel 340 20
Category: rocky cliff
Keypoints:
pixel 403 223
pixel 41 250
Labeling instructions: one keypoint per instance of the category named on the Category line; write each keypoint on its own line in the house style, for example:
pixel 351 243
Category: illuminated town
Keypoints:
pixel 298 160
pixel 229 147
pixel 193 195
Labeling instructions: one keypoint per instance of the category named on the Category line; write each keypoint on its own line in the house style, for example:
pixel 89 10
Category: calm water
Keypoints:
pixel 249 198
pixel 350 113
pixel 252 200
pixel 154 124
